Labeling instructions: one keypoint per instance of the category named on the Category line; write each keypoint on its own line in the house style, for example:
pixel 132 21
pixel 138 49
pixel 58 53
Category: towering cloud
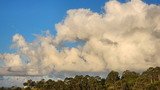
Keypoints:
pixel 124 36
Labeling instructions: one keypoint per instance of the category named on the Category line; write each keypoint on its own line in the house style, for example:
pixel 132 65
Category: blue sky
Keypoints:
pixel 28 17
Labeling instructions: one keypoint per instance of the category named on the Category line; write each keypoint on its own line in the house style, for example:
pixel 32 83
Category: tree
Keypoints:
pixel 112 77
pixel 148 78
pixel 129 78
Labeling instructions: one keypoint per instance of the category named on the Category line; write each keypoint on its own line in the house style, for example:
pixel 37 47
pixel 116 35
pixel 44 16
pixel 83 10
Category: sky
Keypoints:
pixel 101 36
pixel 28 17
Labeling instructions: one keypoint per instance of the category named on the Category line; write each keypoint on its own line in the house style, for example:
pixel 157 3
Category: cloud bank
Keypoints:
pixel 124 36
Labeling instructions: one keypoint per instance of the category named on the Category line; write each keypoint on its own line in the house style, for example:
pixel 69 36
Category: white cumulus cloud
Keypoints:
pixel 124 36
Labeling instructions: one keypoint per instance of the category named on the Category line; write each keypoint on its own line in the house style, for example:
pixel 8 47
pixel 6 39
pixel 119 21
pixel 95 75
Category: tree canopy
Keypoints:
pixel 129 80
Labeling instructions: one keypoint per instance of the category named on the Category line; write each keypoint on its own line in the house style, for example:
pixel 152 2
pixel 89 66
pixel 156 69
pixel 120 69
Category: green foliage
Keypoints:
pixel 112 77
pixel 130 80
pixel 148 78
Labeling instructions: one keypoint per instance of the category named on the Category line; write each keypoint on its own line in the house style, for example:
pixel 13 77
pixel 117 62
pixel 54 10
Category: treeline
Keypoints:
pixel 130 80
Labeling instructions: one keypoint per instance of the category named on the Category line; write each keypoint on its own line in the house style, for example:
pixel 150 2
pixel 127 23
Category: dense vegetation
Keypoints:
pixel 130 80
